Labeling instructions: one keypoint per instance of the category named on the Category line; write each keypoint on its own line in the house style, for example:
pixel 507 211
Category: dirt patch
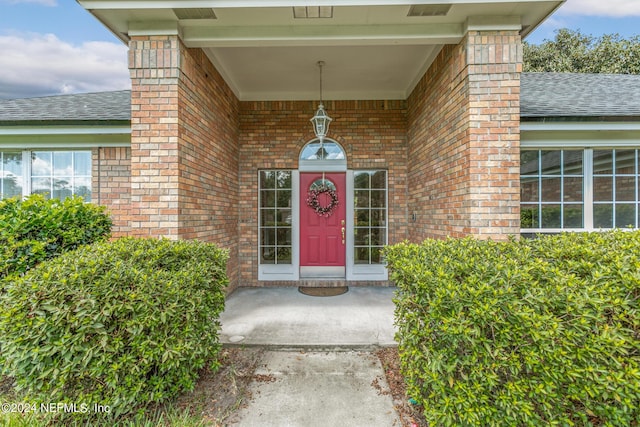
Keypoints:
pixel 218 395
pixel 410 415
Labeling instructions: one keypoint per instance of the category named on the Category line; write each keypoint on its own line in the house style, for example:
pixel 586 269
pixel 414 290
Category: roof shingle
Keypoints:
pixel 99 106
pixel 546 95
pixel 579 95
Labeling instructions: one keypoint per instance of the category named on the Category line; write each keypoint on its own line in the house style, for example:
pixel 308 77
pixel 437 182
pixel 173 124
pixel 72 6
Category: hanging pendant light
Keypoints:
pixel 321 120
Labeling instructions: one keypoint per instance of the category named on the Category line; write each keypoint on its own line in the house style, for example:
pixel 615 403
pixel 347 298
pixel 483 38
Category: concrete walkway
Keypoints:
pixel 283 317
pixel 319 369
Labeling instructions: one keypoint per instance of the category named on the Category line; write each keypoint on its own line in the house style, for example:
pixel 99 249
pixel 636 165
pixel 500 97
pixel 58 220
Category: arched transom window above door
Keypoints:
pixel 327 156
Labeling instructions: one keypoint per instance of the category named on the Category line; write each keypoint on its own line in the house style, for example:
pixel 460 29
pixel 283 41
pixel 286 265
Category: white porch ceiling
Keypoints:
pixel 372 49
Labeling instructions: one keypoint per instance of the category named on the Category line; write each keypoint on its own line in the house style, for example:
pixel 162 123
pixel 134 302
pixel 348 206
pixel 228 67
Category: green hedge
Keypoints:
pixel 536 332
pixel 121 323
pixel 35 229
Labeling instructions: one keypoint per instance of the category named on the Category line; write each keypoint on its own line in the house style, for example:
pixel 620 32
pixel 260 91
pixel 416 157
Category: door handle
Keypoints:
pixel 342 230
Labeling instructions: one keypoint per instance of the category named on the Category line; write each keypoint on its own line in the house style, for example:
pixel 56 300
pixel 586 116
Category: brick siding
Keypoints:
pixel 464 140
pixel 111 185
pixel 184 139
pixel 451 149
pixel 272 134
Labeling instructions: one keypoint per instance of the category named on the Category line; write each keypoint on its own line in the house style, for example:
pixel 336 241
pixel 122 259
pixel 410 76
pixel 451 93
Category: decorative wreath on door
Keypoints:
pixel 314 203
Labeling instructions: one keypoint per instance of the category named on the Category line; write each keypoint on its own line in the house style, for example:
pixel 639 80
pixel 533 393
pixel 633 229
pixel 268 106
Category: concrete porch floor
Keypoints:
pixel 285 318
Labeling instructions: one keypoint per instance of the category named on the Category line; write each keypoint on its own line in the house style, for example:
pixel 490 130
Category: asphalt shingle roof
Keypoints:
pixel 99 106
pixel 579 95
pixel 558 95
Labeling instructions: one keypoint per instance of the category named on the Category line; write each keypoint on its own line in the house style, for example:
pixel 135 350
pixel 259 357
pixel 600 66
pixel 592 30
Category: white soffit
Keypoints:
pixel 372 49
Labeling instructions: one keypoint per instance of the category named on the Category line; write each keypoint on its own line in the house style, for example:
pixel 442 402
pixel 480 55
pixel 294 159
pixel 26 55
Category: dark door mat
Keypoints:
pixel 315 291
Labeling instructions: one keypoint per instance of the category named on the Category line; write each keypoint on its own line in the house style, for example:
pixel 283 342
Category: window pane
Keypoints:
pixel 283 179
pixel 551 216
pixel 41 186
pixel 573 162
pixel 573 217
pixel 378 199
pixel 10 186
pixel 267 217
pixel 62 163
pixel 573 189
pixel 603 189
pixel 82 188
pixel 12 163
pixel 362 237
pixel 327 151
pixel 625 215
pixel 626 188
pixel 378 217
pixel 10 174
pixel 284 199
pixel 551 190
pixel 283 255
pixel 82 163
pixel 284 236
pixel 551 162
pixel 284 217
pixel 529 164
pixel 376 255
pixel 268 236
pixel 361 180
pixel 603 216
pixel 361 198
pixel 625 162
pixel 267 198
pixel 379 180
pixel 529 189
pixel 267 179
pixel 267 255
pixel 529 216
pixel 602 162
pixel 41 164
pixel 62 188
pixel 361 255
pixel 362 217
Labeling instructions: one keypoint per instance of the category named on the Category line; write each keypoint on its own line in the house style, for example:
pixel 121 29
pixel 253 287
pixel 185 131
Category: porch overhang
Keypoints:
pixel 265 50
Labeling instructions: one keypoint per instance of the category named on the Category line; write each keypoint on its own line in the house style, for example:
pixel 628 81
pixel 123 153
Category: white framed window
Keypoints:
pixel 370 216
pixel 11 174
pixel 278 233
pixel 579 189
pixel 367 216
pixel 57 174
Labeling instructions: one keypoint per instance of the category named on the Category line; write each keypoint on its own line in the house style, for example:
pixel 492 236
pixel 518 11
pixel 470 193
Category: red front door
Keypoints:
pixel 322 244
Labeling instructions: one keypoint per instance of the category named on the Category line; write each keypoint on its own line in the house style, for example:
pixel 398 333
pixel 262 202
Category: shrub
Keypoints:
pixel 536 332
pixel 121 323
pixel 35 229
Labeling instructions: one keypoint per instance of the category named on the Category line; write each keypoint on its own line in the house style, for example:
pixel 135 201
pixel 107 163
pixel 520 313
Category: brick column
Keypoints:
pixel 494 65
pixel 464 140
pixel 154 64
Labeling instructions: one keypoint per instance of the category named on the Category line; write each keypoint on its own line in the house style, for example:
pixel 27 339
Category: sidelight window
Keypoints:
pixel 370 216
pixel 276 217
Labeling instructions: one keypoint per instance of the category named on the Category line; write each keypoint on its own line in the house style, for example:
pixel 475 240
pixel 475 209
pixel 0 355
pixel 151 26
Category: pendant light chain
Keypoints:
pixel 320 65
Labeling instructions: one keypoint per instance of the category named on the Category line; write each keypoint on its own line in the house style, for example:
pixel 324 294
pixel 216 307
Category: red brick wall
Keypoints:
pixel 208 157
pixel 184 139
pixel 373 134
pixel 154 64
pixel 463 132
pixel 111 185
